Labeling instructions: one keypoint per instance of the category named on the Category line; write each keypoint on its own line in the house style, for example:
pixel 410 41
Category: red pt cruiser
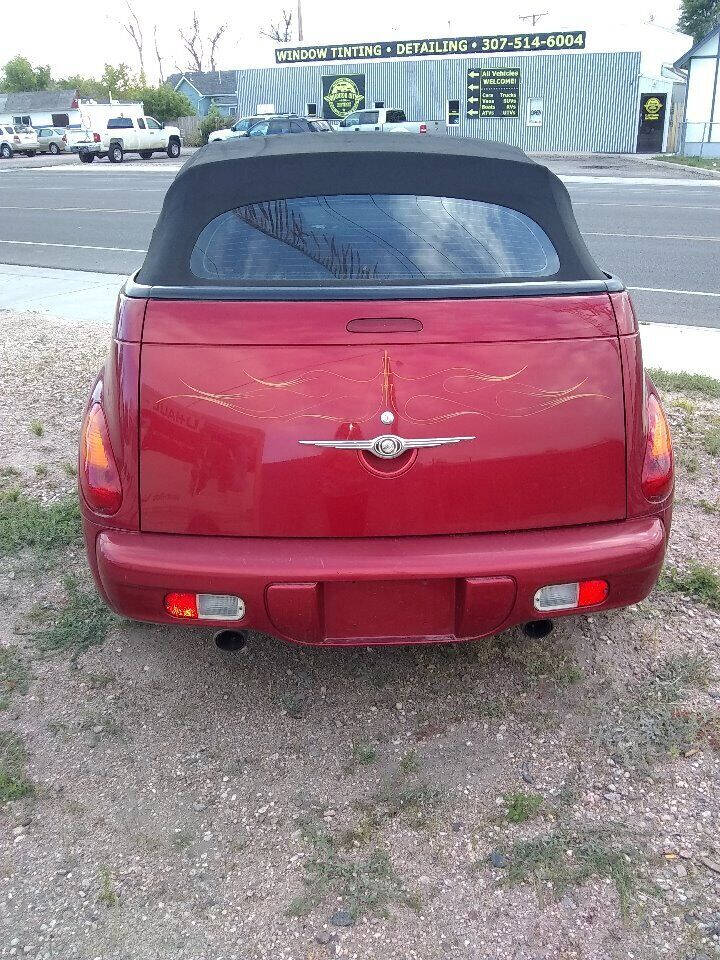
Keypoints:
pixel 372 390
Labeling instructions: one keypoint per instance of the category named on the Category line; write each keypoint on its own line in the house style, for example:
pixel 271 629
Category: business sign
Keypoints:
pixel 652 122
pixel 535 112
pixel 493 92
pixel 342 95
pixel 445 46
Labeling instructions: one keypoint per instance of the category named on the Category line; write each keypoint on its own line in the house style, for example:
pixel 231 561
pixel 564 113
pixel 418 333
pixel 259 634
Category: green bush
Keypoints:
pixel 213 121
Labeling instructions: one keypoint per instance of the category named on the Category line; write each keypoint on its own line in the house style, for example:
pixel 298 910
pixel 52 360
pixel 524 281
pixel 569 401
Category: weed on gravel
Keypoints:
pixel 14 675
pixel 699 581
pixel 44 527
pixel 82 622
pixel 568 858
pixel 14 784
pixel 648 722
pixel 364 883
pixel 522 806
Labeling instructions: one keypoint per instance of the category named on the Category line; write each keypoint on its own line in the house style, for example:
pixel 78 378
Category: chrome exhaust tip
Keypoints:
pixel 231 639
pixel 537 629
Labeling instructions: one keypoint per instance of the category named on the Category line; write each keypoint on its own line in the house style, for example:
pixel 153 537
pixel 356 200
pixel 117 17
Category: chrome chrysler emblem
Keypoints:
pixel 387 446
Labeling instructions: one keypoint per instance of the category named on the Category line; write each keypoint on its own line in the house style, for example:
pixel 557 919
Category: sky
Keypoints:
pixel 81 38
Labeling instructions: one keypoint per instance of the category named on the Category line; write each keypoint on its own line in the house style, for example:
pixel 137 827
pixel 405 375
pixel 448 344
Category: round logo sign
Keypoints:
pixel 343 96
pixel 653 106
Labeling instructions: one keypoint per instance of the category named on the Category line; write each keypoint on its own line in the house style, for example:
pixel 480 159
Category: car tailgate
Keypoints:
pixel 230 390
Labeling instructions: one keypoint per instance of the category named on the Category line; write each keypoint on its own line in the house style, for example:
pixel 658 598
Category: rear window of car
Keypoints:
pixel 119 123
pixel 373 238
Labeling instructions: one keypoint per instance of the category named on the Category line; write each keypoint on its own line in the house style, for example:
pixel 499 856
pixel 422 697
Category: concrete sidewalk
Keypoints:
pixel 76 296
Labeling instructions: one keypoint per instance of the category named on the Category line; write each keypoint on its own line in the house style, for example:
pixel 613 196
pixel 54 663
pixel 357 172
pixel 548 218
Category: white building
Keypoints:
pixel 702 111
pixel 40 108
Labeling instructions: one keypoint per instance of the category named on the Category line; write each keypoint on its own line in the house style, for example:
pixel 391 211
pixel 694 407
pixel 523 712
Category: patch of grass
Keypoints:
pixel 698 581
pixel 704 163
pixel 14 675
pixel 683 670
pixel 648 722
pixel 711 441
pixel 364 753
pixel 83 621
pixel 41 470
pixel 685 382
pixel 107 895
pixel 8 472
pixel 409 763
pixel 14 784
pixel 364 884
pixel 682 403
pixel 547 661
pixel 569 858
pixel 522 806
pixel 70 469
pixel 26 522
pixel 708 506
pixel 37 428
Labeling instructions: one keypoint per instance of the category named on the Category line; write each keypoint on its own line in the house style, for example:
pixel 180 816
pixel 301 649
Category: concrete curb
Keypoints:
pixel 703 171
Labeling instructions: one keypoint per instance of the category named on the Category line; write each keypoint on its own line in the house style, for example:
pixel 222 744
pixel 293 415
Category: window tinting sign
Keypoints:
pixel 652 122
pixel 493 92
pixel 342 95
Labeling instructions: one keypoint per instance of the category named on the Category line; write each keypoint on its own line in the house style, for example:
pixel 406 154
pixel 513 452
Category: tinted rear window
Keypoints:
pixel 374 238
pixel 119 123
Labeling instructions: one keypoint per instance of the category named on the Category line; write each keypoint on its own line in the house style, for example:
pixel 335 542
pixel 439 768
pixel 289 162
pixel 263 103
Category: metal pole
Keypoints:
pixel 299 19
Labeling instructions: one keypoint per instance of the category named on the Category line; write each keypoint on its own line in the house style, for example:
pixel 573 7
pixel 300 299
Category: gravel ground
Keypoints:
pixel 506 799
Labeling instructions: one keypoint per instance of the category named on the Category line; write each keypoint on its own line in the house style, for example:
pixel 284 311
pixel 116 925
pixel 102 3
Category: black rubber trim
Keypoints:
pixel 454 291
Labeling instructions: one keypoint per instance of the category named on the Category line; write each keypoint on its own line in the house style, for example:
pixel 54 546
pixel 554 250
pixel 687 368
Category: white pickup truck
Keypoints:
pixel 389 121
pixel 125 134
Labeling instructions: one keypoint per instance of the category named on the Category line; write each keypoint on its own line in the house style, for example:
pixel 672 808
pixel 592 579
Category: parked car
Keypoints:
pixel 238 129
pixel 129 134
pixel 52 140
pixel 386 395
pixel 389 121
pixel 290 124
pixel 24 140
pixel 7 143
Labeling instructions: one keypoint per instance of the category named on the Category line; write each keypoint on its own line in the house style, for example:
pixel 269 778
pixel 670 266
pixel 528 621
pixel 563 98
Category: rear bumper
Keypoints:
pixel 383 590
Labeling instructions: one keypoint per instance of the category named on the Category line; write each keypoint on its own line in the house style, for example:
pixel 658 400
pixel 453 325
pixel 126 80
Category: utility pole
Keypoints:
pixel 535 16
pixel 299 19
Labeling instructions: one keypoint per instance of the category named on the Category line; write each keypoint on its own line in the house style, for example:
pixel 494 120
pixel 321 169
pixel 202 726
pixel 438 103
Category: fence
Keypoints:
pixel 701 139
pixel 189 129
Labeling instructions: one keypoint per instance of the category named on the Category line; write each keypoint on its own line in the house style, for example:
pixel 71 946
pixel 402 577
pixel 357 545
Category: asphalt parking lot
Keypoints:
pixel 656 228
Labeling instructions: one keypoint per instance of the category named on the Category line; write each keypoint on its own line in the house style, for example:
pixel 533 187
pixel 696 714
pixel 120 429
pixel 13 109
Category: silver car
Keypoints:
pixel 52 140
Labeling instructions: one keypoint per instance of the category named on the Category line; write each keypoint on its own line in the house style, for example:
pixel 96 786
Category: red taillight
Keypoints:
pixel 592 592
pixel 99 477
pixel 182 605
pixel 423 128
pixel 96 138
pixel 657 474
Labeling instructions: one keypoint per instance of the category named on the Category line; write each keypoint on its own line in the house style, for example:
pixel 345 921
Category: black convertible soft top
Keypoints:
pixel 232 173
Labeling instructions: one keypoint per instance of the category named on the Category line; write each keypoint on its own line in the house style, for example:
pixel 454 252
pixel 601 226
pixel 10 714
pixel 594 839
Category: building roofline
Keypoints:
pixel 683 61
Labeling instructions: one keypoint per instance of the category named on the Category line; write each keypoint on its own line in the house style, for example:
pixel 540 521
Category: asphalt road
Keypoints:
pixel 661 237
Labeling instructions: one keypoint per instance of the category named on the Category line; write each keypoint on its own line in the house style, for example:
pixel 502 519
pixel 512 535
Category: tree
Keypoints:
pixel 21 76
pixel 117 81
pixel 213 121
pixel 192 41
pixel 161 72
pixel 133 29
pixel 698 17
pixel 88 88
pixel 279 32
pixel 163 103
pixel 214 39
